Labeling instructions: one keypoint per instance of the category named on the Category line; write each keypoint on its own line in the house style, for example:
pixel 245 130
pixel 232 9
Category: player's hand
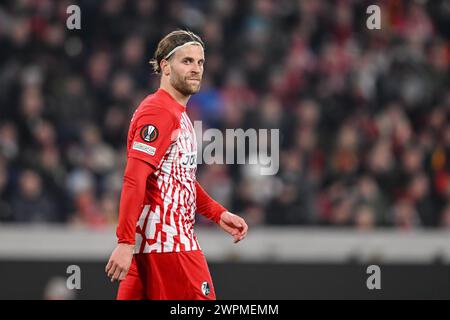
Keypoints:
pixel 234 225
pixel 119 262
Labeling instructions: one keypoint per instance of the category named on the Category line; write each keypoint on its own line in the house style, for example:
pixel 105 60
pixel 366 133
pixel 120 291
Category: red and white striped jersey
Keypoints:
pixel 162 134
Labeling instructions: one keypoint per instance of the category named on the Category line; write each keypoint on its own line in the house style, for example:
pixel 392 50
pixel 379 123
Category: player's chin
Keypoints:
pixel 194 88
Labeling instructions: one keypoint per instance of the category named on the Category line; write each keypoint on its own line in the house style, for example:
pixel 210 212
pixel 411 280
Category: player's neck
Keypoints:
pixel 178 96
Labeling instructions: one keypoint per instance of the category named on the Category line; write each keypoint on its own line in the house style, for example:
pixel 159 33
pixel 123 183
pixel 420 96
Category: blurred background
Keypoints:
pixel 364 141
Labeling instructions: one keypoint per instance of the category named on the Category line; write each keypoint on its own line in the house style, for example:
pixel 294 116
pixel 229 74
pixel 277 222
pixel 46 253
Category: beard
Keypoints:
pixel 184 85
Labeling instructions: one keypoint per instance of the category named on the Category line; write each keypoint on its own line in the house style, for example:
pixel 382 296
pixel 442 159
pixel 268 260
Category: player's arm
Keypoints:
pixel 231 223
pixel 154 133
pixel 132 199
pixel 131 202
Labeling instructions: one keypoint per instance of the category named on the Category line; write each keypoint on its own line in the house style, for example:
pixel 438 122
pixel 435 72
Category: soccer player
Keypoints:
pixel 158 256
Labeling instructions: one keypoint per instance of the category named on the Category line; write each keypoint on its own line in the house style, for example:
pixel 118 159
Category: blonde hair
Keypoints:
pixel 169 43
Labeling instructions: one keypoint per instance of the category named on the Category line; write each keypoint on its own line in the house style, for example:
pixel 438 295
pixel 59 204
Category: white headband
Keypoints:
pixel 182 46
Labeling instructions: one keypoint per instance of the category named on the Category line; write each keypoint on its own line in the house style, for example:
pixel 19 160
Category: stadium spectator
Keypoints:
pixel 31 203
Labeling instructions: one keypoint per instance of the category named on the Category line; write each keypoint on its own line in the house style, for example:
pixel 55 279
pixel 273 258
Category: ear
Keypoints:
pixel 165 67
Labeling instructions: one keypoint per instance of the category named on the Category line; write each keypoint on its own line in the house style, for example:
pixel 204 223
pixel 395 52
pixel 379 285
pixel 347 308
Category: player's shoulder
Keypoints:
pixel 149 102
pixel 154 106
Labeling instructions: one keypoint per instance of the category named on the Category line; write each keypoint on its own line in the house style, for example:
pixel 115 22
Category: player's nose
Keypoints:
pixel 196 69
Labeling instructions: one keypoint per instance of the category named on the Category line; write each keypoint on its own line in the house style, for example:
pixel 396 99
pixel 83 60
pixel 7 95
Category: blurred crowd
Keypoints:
pixel 363 114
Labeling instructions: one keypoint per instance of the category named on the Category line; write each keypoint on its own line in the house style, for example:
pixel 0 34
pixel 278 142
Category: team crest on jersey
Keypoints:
pixel 149 133
pixel 205 288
